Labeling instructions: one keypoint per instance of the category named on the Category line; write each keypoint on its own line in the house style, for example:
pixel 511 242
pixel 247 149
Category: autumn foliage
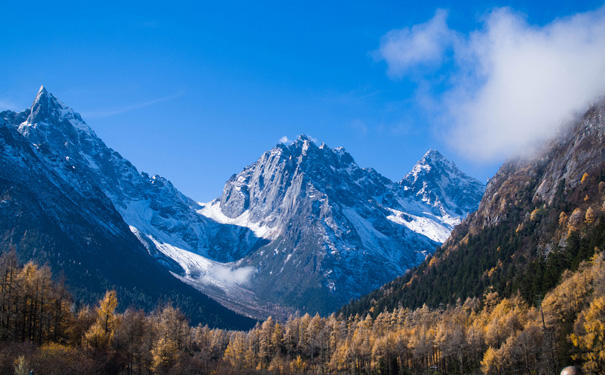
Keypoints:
pixel 42 330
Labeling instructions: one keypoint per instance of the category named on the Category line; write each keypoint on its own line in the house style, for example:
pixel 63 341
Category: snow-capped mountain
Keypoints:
pixel 541 215
pixel 336 230
pixel 303 228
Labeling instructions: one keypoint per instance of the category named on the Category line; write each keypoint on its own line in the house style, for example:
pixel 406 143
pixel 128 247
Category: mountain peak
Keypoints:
pixel 433 160
pixel 303 138
pixel 433 157
pixel 45 106
pixel 433 154
pixel 303 145
pixel 318 209
pixel 56 117
pixel 440 183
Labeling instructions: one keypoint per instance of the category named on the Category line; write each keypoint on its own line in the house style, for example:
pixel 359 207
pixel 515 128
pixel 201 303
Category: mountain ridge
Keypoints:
pixel 300 206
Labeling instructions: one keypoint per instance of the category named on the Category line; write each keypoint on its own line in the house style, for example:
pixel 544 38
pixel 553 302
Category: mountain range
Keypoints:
pixel 303 228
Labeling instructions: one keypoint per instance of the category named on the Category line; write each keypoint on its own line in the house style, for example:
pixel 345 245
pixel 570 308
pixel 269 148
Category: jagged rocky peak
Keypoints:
pixel 434 157
pixel 47 108
pixel 433 162
pixel 49 120
pixel 302 148
pixel 349 228
pixel 264 184
pixel 303 139
pixel 315 159
pixel 439 183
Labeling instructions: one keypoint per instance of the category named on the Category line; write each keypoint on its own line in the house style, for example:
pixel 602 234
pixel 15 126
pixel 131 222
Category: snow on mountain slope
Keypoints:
pixel 200 268
pixel 47 218
pixel 212 210
pixel 427 226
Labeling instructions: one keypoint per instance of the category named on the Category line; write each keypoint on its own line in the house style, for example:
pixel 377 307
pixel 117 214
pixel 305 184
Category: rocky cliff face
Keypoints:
pixel 438 183
pixel 556 169
pixel 150 204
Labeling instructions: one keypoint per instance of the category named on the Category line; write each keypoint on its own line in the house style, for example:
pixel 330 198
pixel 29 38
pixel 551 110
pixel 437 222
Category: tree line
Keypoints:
pixel 41 329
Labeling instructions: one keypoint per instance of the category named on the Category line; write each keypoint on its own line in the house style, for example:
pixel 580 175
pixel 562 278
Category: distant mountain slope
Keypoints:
pixel 151 204
pixel 538 217
pixel 51 211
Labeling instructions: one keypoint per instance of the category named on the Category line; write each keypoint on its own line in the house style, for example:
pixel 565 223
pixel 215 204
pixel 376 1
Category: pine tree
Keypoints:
pixel 589 336
pixel 100 334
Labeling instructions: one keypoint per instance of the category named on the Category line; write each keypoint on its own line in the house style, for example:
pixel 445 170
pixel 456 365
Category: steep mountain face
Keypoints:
pixel 152 205
pixel 555 171
pixel 77 231
pixel 302 228
pixel 540 215
pixel 335 230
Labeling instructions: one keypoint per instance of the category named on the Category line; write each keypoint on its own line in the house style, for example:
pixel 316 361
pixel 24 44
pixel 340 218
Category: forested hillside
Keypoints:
pixel 490 335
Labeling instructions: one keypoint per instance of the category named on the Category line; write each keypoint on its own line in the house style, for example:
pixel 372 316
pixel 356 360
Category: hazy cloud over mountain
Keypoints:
pixel 514 84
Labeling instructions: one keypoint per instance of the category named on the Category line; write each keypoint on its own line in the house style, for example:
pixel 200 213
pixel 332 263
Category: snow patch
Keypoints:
pixel 139 214
pixel 212 210
pixel 426 226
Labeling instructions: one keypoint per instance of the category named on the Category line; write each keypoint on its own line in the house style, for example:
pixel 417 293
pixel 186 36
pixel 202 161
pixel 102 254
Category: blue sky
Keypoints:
pixel 195 91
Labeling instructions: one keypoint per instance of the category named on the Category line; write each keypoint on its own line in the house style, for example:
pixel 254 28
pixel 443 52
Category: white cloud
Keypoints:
pixel 285 140
pixel 514 84
pixel 423 44
pixel 230 276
